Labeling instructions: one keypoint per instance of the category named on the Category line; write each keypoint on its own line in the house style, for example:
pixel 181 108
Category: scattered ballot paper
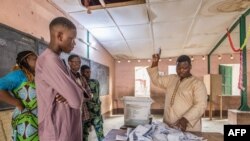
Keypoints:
pixel 157 131
pixel 121 138
pixel 125 137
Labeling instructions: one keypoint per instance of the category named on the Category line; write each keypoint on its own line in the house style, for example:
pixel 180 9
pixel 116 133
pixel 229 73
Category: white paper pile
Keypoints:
pixel 157 131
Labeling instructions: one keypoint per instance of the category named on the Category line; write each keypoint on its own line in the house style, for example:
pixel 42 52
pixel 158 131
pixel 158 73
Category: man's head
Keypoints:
pixel 183 66
pixel 62 34
pixel 85 71
pixel 74 62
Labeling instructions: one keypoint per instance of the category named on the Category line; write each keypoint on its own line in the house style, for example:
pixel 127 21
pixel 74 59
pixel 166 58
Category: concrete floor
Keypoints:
pixel 116 121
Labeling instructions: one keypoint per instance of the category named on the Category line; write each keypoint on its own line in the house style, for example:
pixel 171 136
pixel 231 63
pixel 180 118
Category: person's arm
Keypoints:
pixel 193 115
pixel 160 81
pixel 56 76
pixel 155 60
pixel 97 87
pixel 181 124
pixel 7 98
pixel 98 91
pixel 8 83
pixel 61 99
pixel 87 91
pixel 85 84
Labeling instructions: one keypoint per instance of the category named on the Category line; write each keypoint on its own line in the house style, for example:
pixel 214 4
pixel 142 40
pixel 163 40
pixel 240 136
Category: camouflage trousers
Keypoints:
pixel 97 122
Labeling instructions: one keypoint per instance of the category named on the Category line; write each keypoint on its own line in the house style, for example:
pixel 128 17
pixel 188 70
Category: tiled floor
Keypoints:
pixel 116 121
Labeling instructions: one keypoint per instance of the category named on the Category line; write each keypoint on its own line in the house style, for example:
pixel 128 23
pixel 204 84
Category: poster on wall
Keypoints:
pixel 101 73
pixel 142 82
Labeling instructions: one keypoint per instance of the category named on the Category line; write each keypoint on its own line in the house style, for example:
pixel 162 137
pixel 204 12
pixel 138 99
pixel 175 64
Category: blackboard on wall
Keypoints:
pixel 41 47
pixel 101 73
pixel 12 42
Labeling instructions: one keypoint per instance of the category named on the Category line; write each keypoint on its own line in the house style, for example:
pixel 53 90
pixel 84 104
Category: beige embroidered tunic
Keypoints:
pixel 186 98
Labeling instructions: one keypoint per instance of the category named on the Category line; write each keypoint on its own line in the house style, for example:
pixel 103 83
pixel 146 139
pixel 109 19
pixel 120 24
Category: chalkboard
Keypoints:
pixel 12 42
pixel 41 47
pixel 101 73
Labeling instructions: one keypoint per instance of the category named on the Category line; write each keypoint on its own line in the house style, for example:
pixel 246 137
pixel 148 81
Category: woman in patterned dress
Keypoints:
pixel 18 88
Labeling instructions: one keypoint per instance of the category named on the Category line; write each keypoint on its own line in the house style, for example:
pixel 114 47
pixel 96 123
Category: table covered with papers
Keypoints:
pixel 210 136
pixel 159 132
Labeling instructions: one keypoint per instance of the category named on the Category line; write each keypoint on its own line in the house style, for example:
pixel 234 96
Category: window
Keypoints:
pixel 172 69
pixel 230 79
pixel 142 82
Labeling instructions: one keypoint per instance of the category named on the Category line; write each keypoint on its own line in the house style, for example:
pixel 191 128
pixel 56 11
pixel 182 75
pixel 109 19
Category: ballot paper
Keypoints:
pixel 121 138
pixel 157 131
pixel 125 137
pixel 138 132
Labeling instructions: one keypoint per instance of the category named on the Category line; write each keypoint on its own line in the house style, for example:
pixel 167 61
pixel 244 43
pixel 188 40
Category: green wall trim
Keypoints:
pixel 244 105
pixel 88 44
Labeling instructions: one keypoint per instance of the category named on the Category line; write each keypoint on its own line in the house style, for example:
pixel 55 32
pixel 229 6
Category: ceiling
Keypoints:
pixel 191 27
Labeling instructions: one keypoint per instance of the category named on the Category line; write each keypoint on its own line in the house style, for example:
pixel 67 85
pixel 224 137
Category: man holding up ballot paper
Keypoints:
pixel 186 96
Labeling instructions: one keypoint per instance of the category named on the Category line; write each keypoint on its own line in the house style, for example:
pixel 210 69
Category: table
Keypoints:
pixel 210 136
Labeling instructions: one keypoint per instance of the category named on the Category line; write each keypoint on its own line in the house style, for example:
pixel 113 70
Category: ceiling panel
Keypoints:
pixel 130 15
pixel 179 27
pixel 169 43
pixel 202 41
pixel 106 34
pixel 136 32
pixel 171 29
pixel 208 25
pixel 142 48
pixel 98 18
pixel 174 10
pixel 117 47
pixel 69 5
pixel 212 7
pixel 171 53
pixel 195 51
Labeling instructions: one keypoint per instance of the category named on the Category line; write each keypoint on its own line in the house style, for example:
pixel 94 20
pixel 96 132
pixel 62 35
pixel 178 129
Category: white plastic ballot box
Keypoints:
pixel 136 110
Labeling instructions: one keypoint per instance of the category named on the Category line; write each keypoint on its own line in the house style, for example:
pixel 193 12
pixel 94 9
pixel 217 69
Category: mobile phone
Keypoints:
pixel 159 51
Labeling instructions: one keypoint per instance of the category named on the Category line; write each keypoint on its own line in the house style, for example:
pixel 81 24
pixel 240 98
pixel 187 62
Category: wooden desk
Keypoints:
pixel 207 135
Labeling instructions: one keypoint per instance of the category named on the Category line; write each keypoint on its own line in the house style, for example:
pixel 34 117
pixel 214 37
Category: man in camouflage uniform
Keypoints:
pixel 94 106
